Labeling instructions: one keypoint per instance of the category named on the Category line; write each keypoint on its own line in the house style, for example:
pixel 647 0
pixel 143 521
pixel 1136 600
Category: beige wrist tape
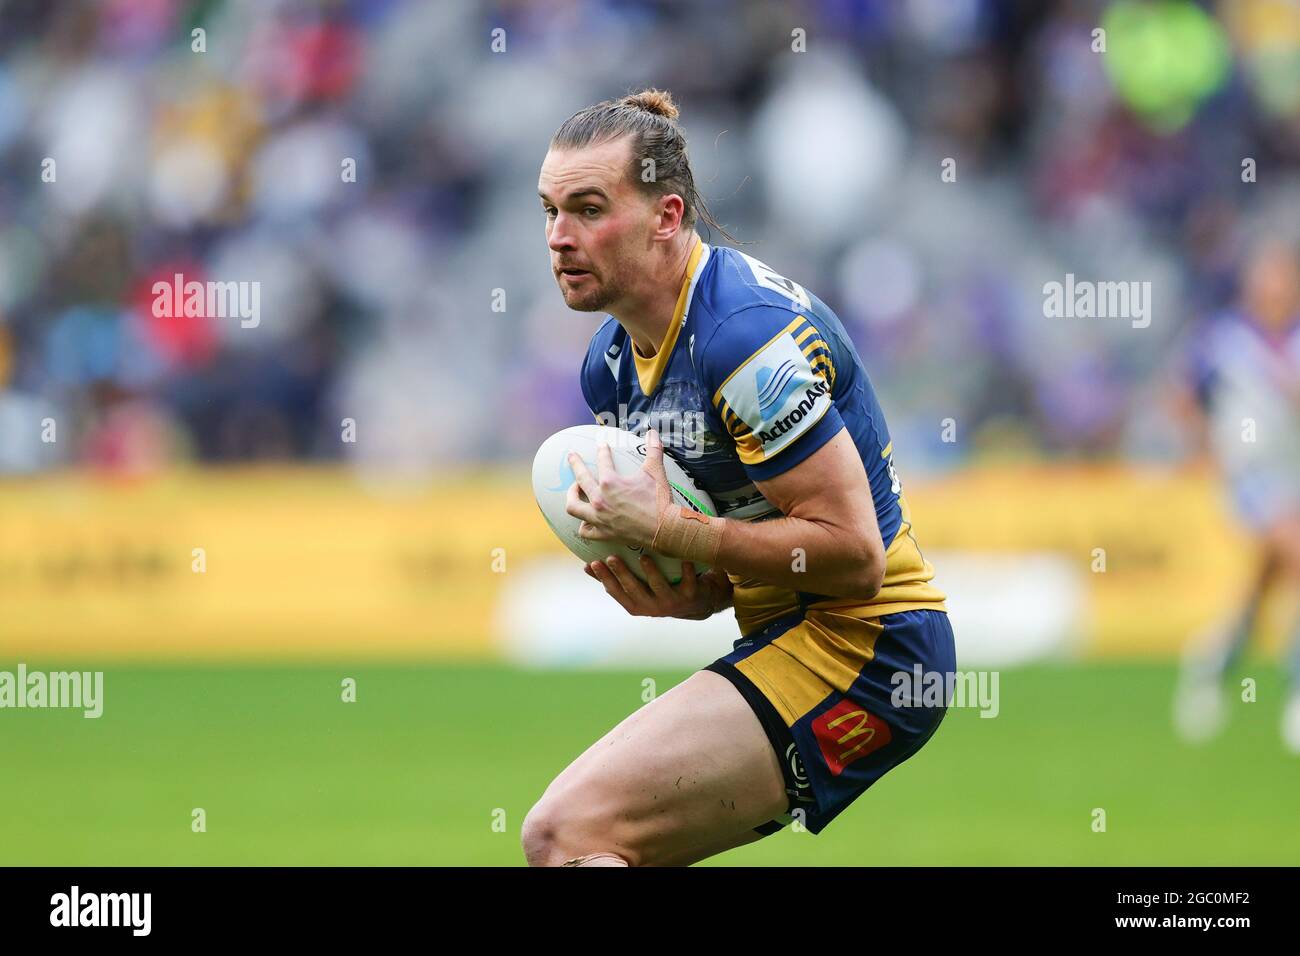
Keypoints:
pixel 689 535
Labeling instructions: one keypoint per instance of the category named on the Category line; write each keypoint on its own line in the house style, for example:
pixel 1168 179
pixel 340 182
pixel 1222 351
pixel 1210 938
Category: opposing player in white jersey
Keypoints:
pixel 1246 376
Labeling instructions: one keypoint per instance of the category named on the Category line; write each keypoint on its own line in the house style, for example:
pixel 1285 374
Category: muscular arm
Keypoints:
pixel 827 508
pixel 829 513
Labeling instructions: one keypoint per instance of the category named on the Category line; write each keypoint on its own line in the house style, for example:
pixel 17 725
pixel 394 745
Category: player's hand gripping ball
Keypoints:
pixel 629 497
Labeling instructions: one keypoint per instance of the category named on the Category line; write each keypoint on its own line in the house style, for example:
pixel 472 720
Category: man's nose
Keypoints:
pixel 561 238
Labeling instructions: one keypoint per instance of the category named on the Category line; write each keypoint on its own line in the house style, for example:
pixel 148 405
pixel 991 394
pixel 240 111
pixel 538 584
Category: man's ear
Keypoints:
pixel 669 209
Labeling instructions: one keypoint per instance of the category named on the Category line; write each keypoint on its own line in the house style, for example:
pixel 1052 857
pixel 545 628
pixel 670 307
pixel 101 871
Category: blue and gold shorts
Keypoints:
pixel 823 684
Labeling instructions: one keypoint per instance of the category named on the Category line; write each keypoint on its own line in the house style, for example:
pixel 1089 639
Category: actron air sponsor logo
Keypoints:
pixel 847 733
pixel 796 415
pixel 774 387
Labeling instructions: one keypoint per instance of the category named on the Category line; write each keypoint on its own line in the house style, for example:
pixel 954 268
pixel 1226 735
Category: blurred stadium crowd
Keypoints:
pixel 378 295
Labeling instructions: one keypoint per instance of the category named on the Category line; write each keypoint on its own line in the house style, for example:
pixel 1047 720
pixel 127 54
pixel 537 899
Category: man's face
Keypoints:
pixel 598 225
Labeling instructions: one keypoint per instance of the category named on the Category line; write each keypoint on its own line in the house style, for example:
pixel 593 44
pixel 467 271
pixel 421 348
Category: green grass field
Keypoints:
pixel 413 771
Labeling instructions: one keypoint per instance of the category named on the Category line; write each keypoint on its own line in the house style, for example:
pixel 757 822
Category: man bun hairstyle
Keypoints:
pixel 650 119
pixel 659 102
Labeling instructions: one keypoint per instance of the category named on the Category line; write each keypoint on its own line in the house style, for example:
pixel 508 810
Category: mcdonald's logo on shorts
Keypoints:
pixel 847 732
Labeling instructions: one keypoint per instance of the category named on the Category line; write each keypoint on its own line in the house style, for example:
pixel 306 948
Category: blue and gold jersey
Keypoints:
pixel 754 375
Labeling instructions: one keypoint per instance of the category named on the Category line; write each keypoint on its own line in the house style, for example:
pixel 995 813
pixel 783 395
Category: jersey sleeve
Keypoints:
pixel 770 377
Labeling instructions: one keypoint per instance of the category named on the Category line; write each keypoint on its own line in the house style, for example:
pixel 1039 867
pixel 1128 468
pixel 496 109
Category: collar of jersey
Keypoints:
pixel 650 370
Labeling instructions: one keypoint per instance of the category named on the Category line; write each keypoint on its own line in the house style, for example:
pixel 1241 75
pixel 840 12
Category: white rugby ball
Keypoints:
pixel 552 477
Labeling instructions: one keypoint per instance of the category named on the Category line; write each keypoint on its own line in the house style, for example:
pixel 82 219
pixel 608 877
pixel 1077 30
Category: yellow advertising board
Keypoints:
pixel 310 563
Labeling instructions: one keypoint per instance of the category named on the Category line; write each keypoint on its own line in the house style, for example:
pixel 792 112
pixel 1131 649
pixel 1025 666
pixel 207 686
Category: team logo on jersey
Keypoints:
pixel 778 394
pixel 847 733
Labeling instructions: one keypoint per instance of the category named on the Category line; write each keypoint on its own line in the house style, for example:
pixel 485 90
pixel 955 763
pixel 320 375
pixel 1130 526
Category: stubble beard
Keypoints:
pixel 593 300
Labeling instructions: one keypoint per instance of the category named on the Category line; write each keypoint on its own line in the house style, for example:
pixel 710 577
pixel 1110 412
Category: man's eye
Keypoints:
pixel 592 209
pixel 550 211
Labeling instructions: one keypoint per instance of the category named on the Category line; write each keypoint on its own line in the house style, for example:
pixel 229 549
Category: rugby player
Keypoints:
pixel 1246 379
pixel 812 544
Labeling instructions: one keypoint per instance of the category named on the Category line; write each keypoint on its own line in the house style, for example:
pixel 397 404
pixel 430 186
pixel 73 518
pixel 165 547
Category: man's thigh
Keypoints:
pixel 690 771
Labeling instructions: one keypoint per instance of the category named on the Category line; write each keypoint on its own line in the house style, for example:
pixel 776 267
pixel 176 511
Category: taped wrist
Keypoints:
pixel 688 535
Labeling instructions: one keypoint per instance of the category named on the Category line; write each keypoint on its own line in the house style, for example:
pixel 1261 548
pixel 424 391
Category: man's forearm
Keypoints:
pixel 800 554
pixel 788 552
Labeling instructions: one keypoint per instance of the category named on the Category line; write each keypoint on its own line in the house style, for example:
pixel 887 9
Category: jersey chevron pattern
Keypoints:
pixel 754 375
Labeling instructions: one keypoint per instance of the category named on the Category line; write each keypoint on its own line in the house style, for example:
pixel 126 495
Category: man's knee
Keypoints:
pixel 537 836
pixel 560 833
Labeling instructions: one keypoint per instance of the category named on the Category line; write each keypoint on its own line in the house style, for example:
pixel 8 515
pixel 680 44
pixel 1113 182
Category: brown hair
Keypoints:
pixel 650 118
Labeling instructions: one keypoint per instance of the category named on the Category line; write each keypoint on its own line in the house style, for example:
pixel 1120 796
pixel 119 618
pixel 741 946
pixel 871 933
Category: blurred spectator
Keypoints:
pixel 370 165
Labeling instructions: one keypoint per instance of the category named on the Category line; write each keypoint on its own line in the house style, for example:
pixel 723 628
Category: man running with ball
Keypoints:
pixel 813 544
